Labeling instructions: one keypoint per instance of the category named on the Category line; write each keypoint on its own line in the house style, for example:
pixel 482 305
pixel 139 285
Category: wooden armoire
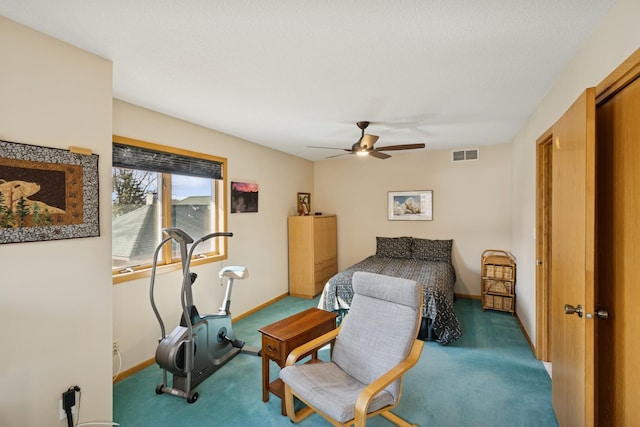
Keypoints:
pixel 313 253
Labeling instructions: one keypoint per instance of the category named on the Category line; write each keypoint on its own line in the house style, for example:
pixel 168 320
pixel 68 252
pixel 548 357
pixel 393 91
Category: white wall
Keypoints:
pixel 259 241
pixel 612 42
pixel 471 203
pixel 55 296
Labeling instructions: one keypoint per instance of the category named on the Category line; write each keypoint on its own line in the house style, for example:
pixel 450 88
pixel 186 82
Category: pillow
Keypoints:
pixel 393 247
pixel 432 250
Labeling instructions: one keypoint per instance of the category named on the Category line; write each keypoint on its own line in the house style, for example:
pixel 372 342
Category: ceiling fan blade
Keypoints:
pixel 329 148
pixel 378 154
pixel 367 141
pixel 338 155
pixel 400 147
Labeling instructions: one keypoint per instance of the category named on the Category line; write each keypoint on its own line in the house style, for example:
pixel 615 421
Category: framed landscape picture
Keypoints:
pixel 47 193
pixel 410 205
pixel 244 197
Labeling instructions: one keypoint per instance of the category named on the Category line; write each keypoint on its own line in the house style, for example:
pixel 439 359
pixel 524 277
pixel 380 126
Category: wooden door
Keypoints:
pixel 572 262
pixel 618 228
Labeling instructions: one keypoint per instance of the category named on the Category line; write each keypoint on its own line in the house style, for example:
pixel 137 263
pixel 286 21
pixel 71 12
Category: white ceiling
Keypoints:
pixel 292 73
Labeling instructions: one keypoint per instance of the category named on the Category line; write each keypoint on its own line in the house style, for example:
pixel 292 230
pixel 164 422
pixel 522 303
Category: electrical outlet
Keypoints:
pixel 63 415
pixel 116 346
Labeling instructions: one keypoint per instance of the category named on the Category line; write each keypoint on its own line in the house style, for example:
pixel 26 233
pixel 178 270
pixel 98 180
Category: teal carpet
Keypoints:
pixel 487 378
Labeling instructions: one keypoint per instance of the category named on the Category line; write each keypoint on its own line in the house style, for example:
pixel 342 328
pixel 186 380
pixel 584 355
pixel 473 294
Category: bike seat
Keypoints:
pixel 234 272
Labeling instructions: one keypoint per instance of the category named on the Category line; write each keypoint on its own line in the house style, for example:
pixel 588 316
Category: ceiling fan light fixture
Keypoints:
pixel 364 146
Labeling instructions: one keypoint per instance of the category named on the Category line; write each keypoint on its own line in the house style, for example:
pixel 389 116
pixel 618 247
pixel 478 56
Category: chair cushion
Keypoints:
pixel 329 389
pixel 387 288
pixel 380 328
pixel 375 336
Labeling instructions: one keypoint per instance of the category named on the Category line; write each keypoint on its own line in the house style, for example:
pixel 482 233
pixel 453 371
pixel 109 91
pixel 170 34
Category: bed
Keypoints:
pixel 423 260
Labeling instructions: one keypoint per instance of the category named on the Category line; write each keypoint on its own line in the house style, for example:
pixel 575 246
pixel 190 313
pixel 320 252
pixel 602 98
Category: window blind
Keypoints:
pixel 127 156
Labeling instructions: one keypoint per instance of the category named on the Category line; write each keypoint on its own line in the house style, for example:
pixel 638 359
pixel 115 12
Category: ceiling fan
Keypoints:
pixel 364 146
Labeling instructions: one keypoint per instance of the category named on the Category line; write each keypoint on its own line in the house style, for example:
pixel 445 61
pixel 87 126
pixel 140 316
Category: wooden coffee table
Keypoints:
pixel 281 337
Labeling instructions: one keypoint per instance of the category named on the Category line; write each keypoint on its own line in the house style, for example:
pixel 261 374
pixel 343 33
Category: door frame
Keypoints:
pixel 544 161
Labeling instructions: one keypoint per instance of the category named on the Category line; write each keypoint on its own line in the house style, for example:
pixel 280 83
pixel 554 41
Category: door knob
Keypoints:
pixel 569 309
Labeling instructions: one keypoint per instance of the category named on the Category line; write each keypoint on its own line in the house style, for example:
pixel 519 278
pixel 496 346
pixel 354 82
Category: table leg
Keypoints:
pixel 265 377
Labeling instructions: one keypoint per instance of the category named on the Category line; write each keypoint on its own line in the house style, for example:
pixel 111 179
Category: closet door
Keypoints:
pixel 572 263
pixel 618 230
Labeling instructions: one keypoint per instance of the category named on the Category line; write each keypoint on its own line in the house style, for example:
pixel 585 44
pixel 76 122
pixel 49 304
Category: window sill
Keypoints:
pixel 161 269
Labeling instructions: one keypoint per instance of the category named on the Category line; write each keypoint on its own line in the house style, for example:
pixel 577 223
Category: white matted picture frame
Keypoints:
pixel 410 205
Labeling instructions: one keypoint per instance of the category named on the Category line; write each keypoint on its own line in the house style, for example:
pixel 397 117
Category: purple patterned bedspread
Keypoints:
pixel 438 279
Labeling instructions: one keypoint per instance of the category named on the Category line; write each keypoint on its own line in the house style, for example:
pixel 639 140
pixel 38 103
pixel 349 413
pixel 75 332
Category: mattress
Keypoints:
pixel 438 278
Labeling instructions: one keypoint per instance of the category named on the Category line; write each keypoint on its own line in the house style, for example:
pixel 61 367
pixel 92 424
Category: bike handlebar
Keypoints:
pixel 217 234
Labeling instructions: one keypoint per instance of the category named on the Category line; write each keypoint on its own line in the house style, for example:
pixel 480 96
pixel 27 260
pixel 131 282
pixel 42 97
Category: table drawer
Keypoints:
pixel 273 348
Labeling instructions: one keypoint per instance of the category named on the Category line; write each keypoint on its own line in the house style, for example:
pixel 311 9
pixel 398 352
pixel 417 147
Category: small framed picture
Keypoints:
pixel 244 197
pixel 410 205
pixel 304 204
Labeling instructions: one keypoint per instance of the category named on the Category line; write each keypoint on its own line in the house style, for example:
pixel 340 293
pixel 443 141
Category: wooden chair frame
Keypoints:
pixel 362 403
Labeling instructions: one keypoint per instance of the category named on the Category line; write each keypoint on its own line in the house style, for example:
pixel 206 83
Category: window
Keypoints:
pixel 156 187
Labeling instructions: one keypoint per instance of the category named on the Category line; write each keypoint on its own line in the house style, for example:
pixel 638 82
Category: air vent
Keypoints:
pixel 464 155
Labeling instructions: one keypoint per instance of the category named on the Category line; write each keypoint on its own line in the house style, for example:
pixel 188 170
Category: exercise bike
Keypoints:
pixel 200 345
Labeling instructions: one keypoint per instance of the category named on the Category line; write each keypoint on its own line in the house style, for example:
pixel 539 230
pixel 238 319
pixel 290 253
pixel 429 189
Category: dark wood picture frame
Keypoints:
pixel 304 204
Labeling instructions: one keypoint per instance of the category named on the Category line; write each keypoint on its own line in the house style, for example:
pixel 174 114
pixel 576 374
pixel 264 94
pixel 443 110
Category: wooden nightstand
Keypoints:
pixel 281 337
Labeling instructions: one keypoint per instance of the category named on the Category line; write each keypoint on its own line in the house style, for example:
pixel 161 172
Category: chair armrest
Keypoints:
pixel 310 346
pixel 365 396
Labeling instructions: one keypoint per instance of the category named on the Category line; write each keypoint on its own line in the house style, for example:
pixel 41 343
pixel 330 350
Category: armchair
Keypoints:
pixel 372 349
